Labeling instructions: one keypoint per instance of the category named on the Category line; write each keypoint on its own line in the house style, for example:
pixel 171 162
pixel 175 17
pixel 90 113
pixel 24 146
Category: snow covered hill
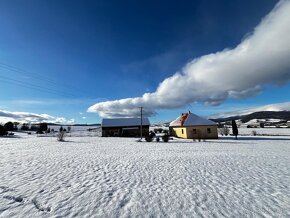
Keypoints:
pixel 271 107
pixel 278 112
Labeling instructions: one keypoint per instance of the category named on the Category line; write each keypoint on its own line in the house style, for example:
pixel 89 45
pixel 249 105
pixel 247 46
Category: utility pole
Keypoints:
pixel 141 132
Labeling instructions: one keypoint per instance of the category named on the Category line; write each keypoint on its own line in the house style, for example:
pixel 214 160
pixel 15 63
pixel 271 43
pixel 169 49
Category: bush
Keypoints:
pixel 224 130
pixel 157 139
pixel 148 138
pixel 9 126
pixel 60 136
pixel 165 137
pixel 39 132
pixel 24 127
pixel 3 131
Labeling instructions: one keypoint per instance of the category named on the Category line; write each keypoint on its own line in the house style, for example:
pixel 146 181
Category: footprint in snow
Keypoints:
pixel 18 199
pixel 40 207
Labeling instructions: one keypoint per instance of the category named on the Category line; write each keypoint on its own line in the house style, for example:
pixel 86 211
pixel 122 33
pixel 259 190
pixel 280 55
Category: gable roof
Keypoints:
pixel 190 119
pixel 118 122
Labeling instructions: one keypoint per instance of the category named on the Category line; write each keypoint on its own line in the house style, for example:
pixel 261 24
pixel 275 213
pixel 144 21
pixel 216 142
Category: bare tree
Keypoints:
pixel 60 136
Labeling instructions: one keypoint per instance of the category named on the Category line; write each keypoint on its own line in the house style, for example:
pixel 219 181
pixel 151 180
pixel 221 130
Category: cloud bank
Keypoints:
pixel 26 117
pixel 260 59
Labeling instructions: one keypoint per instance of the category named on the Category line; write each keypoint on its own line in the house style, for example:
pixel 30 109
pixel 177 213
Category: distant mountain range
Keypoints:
pixel 57 124
pixel 272 111
pixel 281 115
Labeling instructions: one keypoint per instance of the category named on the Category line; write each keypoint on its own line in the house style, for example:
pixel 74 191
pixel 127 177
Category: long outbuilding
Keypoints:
pixel 125 127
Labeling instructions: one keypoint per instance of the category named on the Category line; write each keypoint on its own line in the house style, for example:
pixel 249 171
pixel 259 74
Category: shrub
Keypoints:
pixel 24 127
pixel 220 131
pixel 148 138
pixel 39 132
pixel 3 131
pixel 225 131
pixel 165 137
pixel 157 139
pixel 152 134
pixel 60 136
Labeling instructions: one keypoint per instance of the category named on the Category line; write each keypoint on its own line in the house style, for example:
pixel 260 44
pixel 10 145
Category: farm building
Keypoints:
pixel 191 126
pixel 124 127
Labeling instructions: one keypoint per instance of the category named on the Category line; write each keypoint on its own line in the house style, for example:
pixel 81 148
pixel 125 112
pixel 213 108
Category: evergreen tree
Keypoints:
pixel 235 129
pixel 43 127
pixel 9 126
pixel 3 131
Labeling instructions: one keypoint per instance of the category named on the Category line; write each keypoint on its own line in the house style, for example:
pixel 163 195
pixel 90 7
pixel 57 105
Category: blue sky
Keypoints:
pixel 68 55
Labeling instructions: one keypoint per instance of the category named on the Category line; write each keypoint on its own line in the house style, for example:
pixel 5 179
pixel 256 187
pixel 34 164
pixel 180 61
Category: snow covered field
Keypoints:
pixel 119 177
pixel 265 131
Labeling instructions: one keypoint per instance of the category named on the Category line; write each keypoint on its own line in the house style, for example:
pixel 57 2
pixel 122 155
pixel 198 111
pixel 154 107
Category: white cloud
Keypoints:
pixel 26 117
pixel 262 58
pixel 71 121
pixel 84 118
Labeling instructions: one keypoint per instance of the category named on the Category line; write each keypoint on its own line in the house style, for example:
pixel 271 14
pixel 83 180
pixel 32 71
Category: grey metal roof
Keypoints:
pixel 114 122
pixel 192 120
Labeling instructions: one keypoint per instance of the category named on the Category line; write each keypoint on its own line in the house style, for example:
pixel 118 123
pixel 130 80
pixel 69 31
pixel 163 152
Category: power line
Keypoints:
pixel 6 80
pixel 40 77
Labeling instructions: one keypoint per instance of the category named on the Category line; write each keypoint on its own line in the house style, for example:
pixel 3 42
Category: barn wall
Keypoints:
pixel 117 131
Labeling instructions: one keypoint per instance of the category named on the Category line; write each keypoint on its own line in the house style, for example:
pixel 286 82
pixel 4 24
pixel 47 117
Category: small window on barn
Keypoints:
pixel 194 131
pixel 181 131
pixel 208 130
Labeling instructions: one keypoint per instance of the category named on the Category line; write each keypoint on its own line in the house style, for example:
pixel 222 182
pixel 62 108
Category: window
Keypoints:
pixel 208 130
pixel 194 131
pixel 181 131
